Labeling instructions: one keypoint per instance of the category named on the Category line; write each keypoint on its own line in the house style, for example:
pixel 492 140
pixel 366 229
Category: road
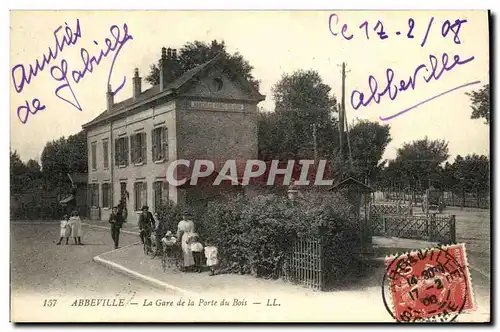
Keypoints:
pixel 41 268
pixel 473 229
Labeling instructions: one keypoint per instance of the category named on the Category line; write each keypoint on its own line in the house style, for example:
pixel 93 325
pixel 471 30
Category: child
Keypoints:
pixel 65 230
pixel 211 255
pixel 197 250
pixel 169 239
pixel 169 242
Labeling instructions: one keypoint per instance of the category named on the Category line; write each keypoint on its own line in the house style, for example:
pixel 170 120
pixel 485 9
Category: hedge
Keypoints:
pixel 255 234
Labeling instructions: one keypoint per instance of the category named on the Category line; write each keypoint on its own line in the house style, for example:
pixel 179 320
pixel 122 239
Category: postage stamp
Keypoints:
pixel 428 285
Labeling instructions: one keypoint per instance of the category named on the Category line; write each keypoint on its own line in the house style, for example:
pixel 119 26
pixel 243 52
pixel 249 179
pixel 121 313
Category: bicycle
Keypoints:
pixel 150 248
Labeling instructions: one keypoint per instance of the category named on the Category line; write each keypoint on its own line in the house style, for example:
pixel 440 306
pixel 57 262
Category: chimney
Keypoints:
pixel 163 68
pixel 169 67
pixel 137 84
pixel 110 99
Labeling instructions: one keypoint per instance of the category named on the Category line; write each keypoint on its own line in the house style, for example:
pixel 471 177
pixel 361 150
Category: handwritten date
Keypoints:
pixel 378 30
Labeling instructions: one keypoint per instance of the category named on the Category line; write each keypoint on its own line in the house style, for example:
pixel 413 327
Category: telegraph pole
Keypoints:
pixel 342 114
pixel 315 143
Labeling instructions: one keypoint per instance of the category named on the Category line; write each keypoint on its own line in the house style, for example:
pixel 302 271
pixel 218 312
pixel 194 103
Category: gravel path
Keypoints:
pixel 40 267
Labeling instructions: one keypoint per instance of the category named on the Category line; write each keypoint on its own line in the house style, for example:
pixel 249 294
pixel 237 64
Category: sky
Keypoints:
pixel 274 42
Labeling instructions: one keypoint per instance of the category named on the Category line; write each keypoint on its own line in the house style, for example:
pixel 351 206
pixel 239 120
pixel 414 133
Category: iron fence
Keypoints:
pixel 304 264
pixel 389 209
pixel 430 228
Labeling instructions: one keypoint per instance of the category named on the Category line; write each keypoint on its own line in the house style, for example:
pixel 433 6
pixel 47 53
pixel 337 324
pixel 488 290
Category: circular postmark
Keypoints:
pixel 429 285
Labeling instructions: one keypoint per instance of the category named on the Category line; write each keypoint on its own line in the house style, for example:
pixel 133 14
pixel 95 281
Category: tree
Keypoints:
pixel 368 141
pixel 18 178
pixel 64 156
pixel 472 173
pixel 34 173
pixel 195 53
pixel 480 103
pixel 417 164
pixel 302 102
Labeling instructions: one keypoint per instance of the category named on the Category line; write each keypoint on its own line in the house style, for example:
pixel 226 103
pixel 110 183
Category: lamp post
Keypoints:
pixel 293 191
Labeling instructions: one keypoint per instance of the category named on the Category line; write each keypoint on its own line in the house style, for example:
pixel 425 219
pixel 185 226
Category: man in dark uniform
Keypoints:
pixel 116 221
pixel 146 225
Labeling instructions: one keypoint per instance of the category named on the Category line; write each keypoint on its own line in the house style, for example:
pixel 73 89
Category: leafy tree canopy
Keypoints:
pixel 302 101
pixel 195 53
pixel 480 103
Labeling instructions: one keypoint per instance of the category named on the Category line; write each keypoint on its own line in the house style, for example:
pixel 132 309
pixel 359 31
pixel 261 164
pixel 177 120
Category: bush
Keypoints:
pixel 171 213
pixel 255 235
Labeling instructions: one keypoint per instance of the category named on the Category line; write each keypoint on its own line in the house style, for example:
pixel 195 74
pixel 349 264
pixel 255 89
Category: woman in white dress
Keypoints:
pixel 184 230
pixel 76 227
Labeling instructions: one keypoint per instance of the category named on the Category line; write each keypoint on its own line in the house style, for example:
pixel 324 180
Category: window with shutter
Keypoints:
pixel 123 189
pixel 105 154
pixel 156 195
pixel 164 142
pixel 164 192
pixel 144 193
pixel 125 150
pixel 158 139
pixel 94 196
pixel 160 192
pixel 117 152
pixel 94 156
pixel 137 195
pixel 140 195
pixel 133 149
pixel 144 148
pixel 154 145
pixel 106 195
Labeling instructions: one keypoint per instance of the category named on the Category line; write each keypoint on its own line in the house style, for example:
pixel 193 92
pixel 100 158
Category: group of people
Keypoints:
pixel 192 249
pixel 186 239
pixel 190 245
pixel 71 226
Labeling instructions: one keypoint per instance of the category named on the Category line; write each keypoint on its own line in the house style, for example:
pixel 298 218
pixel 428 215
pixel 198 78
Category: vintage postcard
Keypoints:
pixel 250 166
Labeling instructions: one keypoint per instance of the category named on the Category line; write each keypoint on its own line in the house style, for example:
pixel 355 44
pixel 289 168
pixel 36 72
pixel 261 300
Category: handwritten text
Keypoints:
pixel 379 30
pixel 60 72
pixel 391 88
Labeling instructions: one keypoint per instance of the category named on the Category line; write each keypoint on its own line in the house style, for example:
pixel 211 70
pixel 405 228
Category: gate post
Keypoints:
pixel 430 221
pixel 453 234
pixel 322 256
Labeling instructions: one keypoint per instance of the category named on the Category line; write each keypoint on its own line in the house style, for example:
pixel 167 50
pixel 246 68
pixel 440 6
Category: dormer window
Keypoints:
pixel 217 84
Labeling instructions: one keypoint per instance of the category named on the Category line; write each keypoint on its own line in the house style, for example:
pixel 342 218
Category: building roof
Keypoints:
pixel 352 182
pixel 154 92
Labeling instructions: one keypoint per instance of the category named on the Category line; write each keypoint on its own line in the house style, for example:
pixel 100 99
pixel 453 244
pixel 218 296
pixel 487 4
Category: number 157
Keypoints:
pixel 49 303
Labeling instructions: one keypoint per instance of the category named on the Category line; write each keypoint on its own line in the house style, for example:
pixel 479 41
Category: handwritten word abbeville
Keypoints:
pixel 21 76
pixel 392 89
pixel 378 29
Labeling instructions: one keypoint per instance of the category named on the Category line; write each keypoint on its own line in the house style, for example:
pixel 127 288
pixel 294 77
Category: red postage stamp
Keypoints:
pixel 429 284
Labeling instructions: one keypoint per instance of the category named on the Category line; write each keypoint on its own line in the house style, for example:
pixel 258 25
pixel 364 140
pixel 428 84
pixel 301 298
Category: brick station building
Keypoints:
pixel 208 112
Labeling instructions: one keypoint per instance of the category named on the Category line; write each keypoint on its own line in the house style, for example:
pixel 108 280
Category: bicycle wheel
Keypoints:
pixel 152 249
pixel 164 262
